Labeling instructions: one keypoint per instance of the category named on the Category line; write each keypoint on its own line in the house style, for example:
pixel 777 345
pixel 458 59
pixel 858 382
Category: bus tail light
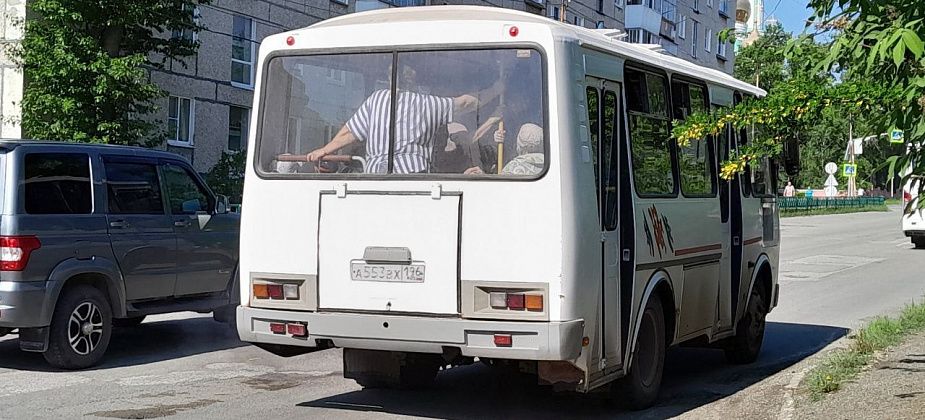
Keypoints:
pixel 291 291
pixel 277 328
pixel 297 329
pixel 504 340
pixel 516 301
pixel 276 291
pixel 534 302
pixel 260 291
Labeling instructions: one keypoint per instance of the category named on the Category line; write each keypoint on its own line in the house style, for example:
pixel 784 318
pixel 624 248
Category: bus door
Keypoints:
pixel 605 119
pixel 731 218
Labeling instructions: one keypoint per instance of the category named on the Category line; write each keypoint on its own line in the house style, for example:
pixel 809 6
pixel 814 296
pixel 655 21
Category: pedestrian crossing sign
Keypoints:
pixel 850 169
pixel 896 136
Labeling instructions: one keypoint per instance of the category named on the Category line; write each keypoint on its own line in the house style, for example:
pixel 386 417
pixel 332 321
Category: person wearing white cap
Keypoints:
pixel 530 157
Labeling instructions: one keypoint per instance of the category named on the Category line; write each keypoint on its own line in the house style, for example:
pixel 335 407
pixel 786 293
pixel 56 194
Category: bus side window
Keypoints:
pixel 695 160
pixel 594 121
pixel 742 140
pixel 650 140
pixel 610 158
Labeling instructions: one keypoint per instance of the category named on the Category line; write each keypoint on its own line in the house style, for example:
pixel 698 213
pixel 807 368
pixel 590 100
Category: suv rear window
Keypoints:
pixel 58 183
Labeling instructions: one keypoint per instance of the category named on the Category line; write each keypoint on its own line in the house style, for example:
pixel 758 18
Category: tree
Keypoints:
pixel 763 61
pixel 882 42
pixel 227 176
pixel 868 91
pixel 85 63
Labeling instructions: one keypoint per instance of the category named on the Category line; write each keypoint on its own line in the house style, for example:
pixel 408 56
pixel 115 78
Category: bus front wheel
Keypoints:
pixel 639 388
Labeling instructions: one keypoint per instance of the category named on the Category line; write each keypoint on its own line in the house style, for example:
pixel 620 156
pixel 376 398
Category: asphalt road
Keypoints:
pixel 836 272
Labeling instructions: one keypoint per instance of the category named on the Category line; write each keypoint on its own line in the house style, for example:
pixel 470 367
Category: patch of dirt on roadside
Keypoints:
pixel 274 381
pixel 160 410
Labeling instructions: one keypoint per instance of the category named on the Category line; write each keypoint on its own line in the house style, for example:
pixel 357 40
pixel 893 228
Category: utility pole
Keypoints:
pixel 564 7
pixel 852 185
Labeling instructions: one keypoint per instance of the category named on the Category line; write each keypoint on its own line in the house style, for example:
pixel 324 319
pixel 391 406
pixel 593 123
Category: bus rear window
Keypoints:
pixel 465 113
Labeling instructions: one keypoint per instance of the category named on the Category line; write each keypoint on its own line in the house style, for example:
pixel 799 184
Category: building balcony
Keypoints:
pixel 656 16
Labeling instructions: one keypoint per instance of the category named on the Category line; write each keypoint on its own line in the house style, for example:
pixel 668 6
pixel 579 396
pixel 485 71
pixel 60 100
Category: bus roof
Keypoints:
pixel 600 39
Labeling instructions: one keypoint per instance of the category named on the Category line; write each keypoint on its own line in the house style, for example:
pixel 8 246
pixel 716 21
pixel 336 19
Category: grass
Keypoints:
pixel 832 210
pixel 844 365
pixel 892 201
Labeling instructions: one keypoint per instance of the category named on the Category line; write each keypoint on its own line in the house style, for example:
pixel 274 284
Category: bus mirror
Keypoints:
pixel 791 156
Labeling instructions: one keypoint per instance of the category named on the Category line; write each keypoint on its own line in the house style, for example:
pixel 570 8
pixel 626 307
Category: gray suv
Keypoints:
pixel 95 236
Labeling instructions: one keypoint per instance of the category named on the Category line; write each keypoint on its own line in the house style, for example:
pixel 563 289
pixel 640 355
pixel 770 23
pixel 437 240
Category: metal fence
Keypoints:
pixel 805 203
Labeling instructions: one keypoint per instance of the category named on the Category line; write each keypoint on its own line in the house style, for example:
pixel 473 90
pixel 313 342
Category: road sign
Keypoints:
pixel 896 136
pixel 831 168
pixel 850 169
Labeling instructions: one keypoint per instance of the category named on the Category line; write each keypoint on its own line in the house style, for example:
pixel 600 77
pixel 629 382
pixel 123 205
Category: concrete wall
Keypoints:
pixel 11 80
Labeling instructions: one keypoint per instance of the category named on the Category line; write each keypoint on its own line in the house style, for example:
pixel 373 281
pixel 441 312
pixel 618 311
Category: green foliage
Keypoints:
pixel 843 365
pixel 227 176
pixel 85 65
pixel 763 60
pixel 805 102
pixel 881 42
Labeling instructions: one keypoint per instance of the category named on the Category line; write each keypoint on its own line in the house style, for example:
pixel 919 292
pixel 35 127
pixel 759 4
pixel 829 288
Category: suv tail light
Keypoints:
pixel 15 251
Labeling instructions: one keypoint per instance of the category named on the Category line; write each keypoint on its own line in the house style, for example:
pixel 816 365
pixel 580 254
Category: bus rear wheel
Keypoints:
pixel 745 346
pixel 639 388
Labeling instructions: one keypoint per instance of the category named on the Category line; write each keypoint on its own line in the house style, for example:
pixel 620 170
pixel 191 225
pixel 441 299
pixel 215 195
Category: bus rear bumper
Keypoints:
pixel 474 338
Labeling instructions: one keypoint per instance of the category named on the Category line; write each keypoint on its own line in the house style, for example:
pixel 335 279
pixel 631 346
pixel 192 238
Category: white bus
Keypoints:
pixel 527 207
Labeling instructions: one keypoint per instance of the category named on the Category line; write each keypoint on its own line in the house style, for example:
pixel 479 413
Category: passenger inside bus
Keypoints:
pixel 418 117
pixel 530 156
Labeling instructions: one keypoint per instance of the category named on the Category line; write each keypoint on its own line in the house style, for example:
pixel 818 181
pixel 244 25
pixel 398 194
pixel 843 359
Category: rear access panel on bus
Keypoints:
pixel 389 252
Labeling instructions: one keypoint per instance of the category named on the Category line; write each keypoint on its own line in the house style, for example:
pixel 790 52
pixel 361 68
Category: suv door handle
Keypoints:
pixel 181 223
pixel 119 224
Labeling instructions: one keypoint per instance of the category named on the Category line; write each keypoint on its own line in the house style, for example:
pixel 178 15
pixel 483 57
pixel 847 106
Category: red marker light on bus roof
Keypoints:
pixel 290 41
pixel 513 31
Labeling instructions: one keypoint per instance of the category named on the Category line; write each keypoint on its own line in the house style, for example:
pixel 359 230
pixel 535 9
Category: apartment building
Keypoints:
pixel 207 110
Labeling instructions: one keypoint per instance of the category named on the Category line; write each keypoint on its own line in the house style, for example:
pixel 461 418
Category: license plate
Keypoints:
pixel 400 273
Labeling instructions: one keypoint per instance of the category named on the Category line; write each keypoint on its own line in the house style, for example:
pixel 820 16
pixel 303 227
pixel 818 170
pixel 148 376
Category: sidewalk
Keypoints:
pixel 891 388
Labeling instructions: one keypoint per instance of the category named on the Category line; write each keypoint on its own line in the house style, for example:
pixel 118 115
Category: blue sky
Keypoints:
pixel 791 13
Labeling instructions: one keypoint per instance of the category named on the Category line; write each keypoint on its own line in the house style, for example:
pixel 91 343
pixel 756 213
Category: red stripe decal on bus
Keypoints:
pixel 697 249
pixel 753 241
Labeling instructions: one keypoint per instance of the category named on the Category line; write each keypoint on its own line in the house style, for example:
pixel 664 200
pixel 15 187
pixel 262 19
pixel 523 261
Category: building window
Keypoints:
pixel 180 121
pixel 600 6
pixel 696 28
pixel 344 2
pixel 724 7
pixel 600 24
pixel 187 34
pixel 696 6
pixel 242 52
pixel 720 47
pixel 618 3
pixel 579 21
pixel 554 12
pixel 642 36
pixel 237 127
pixel 682 27
pixel 708 40
pixel 709 3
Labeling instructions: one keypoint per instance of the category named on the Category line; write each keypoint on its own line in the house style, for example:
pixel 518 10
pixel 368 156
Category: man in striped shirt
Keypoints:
pixel 418 116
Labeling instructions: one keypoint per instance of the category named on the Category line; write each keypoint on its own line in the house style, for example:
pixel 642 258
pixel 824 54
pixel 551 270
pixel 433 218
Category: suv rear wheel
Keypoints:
pixel 80 329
